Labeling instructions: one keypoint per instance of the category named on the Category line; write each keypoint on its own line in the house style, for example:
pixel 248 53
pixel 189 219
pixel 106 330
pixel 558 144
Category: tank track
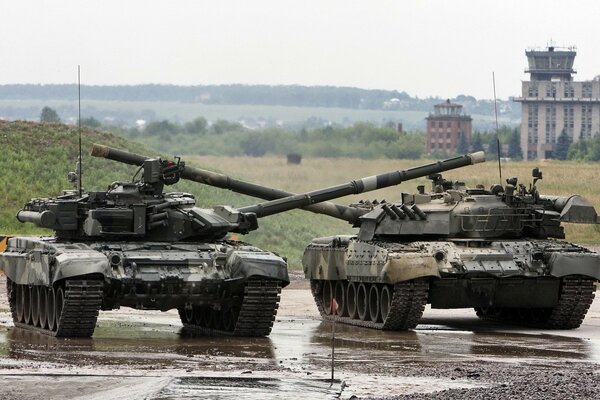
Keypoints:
pixel 255 315
pixel 11 294
pixel 577 294
pixel 406 308
pixel 82 301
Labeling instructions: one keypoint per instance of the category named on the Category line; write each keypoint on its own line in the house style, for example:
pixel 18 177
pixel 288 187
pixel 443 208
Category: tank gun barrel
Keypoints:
pixel 361 185
pixel 315 201
pixel 226 182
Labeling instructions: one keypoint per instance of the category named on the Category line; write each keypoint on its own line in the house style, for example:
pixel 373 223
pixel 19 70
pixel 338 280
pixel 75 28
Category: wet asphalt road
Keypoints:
pixel 451 354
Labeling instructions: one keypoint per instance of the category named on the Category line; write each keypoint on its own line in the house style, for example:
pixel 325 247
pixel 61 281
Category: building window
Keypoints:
pixel 550 123
pixel 569 118
pixel 440 124
pixel 532 124
pixel 586 90
pixel 551 90
pixel 532 90
pixel 586 121
pixel 569 90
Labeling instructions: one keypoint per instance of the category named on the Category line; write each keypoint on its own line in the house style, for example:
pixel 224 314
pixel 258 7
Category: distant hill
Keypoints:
pixel 156 102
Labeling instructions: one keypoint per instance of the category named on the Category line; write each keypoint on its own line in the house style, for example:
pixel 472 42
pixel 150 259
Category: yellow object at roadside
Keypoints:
pixel 3 243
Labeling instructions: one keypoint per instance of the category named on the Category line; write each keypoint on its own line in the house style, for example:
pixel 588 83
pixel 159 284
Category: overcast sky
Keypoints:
pixel 426 48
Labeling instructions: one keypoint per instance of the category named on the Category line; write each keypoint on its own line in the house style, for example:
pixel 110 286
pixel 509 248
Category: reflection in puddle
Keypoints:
pixel 293 362
pixel 249 388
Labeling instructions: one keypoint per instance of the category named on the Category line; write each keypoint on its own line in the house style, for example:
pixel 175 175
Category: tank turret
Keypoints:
pixel 452 210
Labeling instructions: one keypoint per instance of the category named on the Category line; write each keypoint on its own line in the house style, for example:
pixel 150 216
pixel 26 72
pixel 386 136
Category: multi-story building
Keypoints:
pixel 445 127
pixel 552 102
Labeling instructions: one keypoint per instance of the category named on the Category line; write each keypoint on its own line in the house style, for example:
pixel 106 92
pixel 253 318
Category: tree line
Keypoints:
pixel 235 94
pixel 362 139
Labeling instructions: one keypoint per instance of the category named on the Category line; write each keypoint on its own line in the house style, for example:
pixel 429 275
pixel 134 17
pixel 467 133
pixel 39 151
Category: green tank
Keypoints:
pixel 135 245
pixel 499 251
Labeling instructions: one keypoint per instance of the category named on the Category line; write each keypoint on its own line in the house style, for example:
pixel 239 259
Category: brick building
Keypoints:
pixel 553 102
pixel 445 126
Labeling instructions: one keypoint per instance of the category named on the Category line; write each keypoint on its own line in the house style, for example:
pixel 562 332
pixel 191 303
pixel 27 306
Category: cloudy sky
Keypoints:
pixel 423 47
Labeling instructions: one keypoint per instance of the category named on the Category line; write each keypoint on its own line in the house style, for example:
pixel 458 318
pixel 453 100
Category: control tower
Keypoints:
pixel 553 104
pixel 551 64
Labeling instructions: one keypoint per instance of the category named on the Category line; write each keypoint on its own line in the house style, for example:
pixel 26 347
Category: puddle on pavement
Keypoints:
pixel 360 385
pixel 294 360
pixel 250 387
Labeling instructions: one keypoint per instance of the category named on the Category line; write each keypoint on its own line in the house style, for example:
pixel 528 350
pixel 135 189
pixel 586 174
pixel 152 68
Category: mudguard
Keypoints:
pixel 33 261
pixel 586 264
pixel 247 264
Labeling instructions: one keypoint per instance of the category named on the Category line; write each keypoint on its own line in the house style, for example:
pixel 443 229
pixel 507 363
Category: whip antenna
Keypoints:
pixel 497 138
pixel 79 158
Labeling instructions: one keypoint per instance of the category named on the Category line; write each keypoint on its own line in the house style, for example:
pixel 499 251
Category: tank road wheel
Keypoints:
pixel 361 302
pixel 20 306
pixel 327 295
pixel 228 319
pixel 207 317
pixel 195 318
pixel 35 305
pixel 42 306
pixel 216 319
pixel 374 303
pixel 385 301
pixel 51 308
pixel 351 300
pixel 188 314
pixel 340 298
pixel 26 298
pixel 59 300
pixel 33 300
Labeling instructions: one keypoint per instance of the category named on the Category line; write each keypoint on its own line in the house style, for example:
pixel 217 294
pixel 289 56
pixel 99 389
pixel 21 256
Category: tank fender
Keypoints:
pixel 37 267
pixel 260 264
pixel 325 258
pixel 387 265
pixel 569 263
pixel 73 263
pixel 409 266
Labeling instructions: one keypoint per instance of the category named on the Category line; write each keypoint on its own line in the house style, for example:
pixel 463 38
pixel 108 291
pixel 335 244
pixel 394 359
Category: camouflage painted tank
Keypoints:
pixel 498 251
pixel 136 246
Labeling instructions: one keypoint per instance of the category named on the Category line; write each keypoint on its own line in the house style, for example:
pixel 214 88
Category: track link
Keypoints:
pixel 82 301
pixel 11 294
pixel 406 309
pixel 255 316
pixel 576 296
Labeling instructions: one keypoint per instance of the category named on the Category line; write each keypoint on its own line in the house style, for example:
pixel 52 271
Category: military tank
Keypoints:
pixel 135 245
pixel 499 251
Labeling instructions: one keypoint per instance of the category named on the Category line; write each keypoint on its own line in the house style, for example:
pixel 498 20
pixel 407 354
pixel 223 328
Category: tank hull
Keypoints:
pixel 219 288
pixel 386 285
